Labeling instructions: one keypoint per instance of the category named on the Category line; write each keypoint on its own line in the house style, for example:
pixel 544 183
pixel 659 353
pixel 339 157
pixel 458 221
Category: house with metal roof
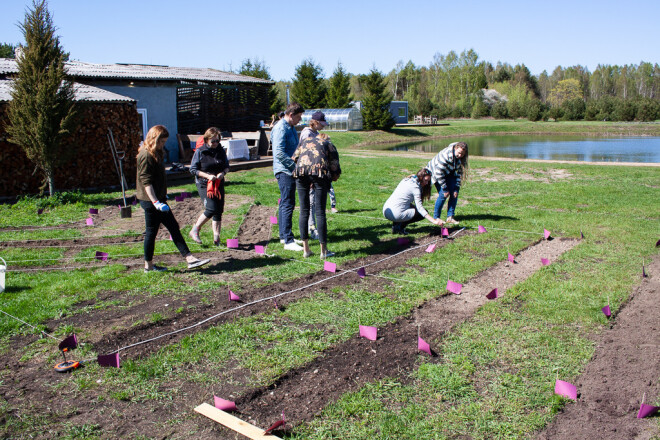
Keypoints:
pixel 186 100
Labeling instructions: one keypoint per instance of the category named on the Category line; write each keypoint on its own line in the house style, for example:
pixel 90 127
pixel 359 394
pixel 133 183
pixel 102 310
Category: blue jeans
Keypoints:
pixel 450 181
pixel 287 186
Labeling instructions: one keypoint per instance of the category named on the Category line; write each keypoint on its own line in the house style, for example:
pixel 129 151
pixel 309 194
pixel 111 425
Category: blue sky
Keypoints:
pixel 360 34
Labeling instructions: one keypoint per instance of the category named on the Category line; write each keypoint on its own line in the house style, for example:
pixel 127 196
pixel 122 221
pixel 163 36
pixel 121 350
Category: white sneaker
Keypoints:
pixel 314 234
pixel 295 240
pixel 293 246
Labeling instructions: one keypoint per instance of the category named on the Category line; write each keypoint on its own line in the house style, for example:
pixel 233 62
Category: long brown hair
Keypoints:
pixel 464 160
pixel 426 189
pixel 155 133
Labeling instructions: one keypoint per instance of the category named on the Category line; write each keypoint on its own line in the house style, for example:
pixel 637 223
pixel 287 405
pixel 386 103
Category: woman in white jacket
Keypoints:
pixel 405 205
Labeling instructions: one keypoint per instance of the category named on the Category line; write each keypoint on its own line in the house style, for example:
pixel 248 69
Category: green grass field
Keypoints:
pixel 496 372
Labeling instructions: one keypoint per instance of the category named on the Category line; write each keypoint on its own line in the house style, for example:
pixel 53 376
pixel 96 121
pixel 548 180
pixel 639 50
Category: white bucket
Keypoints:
pixel 3 268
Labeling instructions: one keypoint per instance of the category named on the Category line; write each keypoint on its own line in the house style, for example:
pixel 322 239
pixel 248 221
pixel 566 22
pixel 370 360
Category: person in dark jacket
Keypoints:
pixel 317 166
pixel 209 165
pixel 151 185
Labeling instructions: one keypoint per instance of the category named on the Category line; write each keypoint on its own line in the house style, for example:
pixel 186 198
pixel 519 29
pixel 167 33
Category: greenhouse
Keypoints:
pixel 339 119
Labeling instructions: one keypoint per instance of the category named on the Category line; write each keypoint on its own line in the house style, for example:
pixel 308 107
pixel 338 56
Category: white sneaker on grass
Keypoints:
pixel 293 246
pixel 295 240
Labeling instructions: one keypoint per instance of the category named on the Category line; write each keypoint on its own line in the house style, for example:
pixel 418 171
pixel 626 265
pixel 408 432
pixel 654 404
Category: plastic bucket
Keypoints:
pixel 3 268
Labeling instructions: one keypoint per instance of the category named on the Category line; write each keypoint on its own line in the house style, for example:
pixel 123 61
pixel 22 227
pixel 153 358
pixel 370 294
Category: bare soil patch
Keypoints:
pixel 623 368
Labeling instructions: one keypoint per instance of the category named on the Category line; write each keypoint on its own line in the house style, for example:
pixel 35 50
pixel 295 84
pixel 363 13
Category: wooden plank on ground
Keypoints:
pixel 234 423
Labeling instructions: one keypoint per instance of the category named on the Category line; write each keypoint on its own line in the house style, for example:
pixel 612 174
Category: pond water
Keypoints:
pixel 578 148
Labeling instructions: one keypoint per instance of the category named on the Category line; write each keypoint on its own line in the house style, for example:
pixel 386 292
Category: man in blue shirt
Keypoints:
pixel 285 141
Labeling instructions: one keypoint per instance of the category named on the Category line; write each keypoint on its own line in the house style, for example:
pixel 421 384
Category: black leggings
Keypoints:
pixel 153 219
pixel 212 207
pixel 320 188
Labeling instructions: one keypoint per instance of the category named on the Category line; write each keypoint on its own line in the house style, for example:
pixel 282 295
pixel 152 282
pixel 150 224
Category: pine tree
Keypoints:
pixel 258 69
pixel 376 102
pixel 7 50
pixel 42 111
pixel 309 89
pixel 339 93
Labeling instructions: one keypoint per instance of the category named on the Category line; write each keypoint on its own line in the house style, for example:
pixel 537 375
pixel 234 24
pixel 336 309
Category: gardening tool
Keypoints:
pixel 68 344
pixel 118 158
pixel 3 269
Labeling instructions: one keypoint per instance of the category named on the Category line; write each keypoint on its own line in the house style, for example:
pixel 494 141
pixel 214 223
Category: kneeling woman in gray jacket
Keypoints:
pixel 405 204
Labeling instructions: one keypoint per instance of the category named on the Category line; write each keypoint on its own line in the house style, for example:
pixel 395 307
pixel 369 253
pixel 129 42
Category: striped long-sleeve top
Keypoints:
pixel 444 164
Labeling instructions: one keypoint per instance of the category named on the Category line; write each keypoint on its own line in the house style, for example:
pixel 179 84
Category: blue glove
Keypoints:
pixel 162 207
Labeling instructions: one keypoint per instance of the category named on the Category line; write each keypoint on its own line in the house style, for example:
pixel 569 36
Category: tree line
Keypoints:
pixel 461 85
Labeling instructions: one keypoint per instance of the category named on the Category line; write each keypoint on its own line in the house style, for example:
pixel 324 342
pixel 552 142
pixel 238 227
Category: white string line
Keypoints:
pixel 343 272
pixel 512 230
pixel 125 234
pixel 30 325
pixel 361 216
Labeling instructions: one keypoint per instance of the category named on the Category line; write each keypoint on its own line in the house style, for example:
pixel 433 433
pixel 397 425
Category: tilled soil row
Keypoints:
pixel 303 392
pixel 623 369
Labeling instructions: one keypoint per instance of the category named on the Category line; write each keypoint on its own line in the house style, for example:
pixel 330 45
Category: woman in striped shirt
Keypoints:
pixel 448 167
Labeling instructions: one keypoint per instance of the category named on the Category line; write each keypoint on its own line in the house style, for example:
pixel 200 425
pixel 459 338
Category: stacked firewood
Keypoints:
pixel 89 162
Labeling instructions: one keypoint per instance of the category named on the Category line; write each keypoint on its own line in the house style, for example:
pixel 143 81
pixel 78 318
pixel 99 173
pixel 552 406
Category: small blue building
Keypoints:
pixel 399 110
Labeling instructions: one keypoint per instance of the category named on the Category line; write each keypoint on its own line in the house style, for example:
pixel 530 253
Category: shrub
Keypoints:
pixel 573 109
pixel 625 110
pixel 499 111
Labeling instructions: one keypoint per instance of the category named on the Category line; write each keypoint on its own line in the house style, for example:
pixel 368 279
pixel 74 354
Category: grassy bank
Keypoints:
pixel 495 374
pixel 480 127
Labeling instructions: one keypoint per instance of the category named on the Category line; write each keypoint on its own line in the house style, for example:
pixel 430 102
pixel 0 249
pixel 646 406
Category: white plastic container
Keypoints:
pixel 3 268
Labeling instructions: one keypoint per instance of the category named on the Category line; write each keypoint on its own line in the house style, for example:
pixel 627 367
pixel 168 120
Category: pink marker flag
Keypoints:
pixel 493 294
pixel 233 296
pixel 232 242
pixel 511 257
pixel 90 221
pixel 454 287
pixel 422 345
pixel 369 332
pixel 606 311
pixel 581 234
pixel 178 198
pixel 109 360
pixel 647 410
pixel 402 241
pixel 566 389
pixel 135 202
pixel 69 343
pixel 444 232
pixel 259 249
pixel 171 238
pixel 40 211
pixel 330 267
pixel 361 272
pixel 546 234
pixel 431 248
pixel 545 261
pixel 93 211
pixel 273 220
pixel 278 201
pixel 481 229
pixel 186 195
pixel 103 256
pixel 224 405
